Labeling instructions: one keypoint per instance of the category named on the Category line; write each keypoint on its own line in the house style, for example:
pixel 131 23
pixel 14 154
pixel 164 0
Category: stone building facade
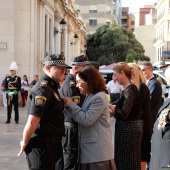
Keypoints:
pixel 30 30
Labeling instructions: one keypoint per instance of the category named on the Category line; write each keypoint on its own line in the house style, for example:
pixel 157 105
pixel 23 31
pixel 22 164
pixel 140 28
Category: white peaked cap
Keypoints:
pixel 13 66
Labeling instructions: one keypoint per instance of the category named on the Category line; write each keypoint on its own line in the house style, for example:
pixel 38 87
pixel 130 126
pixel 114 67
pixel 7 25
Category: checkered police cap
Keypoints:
pixel 55 60
pixel 81 60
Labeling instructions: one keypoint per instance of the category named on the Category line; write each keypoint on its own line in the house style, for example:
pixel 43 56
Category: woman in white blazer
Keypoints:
pixel 95 136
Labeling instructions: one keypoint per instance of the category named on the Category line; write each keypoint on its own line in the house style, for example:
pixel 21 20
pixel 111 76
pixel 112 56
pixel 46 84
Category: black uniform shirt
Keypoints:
pixel 69 89
pixel 44 101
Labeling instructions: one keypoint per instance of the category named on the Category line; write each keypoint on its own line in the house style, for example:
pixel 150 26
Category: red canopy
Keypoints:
pixel 109 67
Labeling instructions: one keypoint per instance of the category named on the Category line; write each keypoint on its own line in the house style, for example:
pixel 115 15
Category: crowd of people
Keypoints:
pixel 69 116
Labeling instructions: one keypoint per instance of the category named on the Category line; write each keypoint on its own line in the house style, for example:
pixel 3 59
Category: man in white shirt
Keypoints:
pixel 114 89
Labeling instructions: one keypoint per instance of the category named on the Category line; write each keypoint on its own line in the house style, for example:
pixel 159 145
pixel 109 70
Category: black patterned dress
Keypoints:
pixel 128 130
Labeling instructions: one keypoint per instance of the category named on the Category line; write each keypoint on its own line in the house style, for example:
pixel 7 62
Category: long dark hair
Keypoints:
pixel 26 79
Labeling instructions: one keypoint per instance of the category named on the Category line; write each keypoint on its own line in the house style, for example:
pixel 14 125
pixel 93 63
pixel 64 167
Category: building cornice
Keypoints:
pixel 42 2
pixel 73 14
pixel 45 2
pixel 57 16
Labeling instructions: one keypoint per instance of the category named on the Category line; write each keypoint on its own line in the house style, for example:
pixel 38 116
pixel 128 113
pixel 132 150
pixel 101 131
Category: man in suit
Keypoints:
pixel 154 88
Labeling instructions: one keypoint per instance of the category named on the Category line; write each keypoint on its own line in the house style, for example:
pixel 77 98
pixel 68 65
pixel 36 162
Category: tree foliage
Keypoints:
pixel 129 58
pixel 111 43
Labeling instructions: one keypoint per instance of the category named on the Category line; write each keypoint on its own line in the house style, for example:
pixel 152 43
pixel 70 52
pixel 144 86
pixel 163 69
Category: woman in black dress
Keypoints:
pixel 128 127
pixel 139 80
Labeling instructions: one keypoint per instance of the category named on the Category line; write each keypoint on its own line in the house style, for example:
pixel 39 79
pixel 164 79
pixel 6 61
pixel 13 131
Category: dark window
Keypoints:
pixel 93 22
pixel 124 13
pixel 124 21
pixel 132 22
pixel 92 10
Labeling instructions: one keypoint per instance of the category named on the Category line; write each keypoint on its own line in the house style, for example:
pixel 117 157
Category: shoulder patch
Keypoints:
pixel 44 83
pixel 57 97
pixel 76 99
pixel 40 100
pixel 72 83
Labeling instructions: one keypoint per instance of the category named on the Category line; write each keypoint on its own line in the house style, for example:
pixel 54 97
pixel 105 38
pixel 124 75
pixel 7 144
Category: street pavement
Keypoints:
pixel 10 136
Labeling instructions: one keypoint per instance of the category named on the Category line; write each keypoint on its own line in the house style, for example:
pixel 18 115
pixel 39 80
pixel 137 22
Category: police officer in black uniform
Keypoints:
pixel 69 89
pixel 45 125
pixel 12 87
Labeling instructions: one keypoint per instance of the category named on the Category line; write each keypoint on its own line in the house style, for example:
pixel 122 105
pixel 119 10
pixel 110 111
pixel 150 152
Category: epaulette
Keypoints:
pixel 44 83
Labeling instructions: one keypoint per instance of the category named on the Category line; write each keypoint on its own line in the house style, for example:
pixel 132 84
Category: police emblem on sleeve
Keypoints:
pixel 76 99
pixel 57 97
pixel 44 83
pixel 40 100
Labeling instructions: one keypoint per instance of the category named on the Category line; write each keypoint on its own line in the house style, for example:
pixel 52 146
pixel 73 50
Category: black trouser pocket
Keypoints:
pixel 34 153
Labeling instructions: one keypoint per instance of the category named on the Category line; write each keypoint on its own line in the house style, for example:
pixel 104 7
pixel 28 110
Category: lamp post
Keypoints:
pixel 62 25
pixel 75 39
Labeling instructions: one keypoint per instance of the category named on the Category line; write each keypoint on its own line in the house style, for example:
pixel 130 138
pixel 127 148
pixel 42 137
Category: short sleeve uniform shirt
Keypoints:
pixel 44 101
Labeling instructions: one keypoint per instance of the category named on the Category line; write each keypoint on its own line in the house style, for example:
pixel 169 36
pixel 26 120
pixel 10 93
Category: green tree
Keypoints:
pixel 129 58
pixel 111 43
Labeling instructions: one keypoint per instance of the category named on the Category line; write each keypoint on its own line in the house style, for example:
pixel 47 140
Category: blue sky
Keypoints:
pixel 134 4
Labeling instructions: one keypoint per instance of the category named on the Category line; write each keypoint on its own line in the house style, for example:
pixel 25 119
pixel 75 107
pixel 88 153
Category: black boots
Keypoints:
pixel 8 121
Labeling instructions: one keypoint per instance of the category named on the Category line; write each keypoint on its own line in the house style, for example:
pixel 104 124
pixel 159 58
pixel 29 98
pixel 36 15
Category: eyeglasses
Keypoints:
pixel 144 69
pixel 81 82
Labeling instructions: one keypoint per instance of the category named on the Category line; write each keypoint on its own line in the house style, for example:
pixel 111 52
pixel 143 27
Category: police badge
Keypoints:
pixel 40 100
pixel 76 99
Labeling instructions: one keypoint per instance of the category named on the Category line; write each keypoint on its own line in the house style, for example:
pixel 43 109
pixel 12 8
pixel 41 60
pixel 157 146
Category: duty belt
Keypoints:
pixel 70 124
pixel 47 138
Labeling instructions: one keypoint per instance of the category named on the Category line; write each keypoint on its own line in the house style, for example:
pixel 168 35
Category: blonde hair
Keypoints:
pixel 137 75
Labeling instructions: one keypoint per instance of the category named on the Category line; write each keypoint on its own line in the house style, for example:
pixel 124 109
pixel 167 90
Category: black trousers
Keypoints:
pixel 14 102
pixel 70 147
pixel 43 155
pixel 114 97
